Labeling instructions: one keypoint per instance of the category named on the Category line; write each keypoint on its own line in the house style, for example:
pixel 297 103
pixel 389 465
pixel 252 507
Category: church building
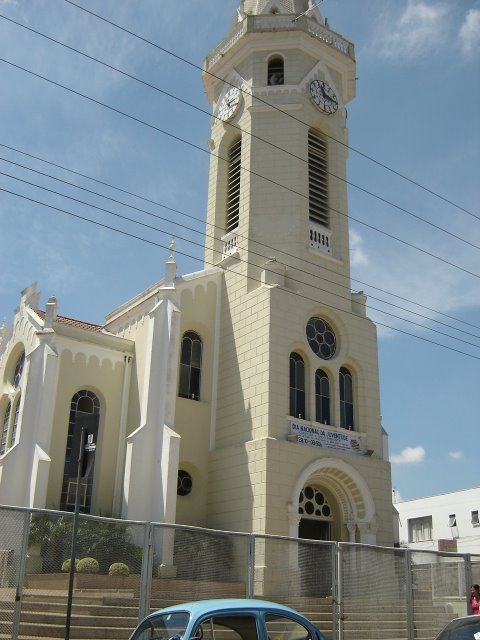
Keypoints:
pixel 245 396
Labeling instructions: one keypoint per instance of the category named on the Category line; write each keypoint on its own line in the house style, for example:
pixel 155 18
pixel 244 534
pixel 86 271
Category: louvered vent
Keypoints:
pixel 317 178
pixel 233 186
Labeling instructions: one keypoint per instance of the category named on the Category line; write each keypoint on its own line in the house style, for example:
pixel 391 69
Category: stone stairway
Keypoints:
pixel 97 615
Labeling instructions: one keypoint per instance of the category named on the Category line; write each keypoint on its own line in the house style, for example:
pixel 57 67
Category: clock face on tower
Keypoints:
pixel 229 104
pixel 323 96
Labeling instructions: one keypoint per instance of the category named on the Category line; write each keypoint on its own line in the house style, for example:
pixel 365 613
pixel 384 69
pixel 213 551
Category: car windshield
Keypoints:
pixel 166 626
pixel 462 630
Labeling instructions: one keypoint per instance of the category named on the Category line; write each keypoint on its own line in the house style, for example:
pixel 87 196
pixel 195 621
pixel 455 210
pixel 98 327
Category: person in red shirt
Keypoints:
pixel 475 599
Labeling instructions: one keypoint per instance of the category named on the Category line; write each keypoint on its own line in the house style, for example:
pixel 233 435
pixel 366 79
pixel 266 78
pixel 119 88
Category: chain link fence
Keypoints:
pixel 124 570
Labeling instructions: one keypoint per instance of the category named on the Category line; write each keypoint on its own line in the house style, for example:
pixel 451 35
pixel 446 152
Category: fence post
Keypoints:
pixel 21 576
pixel 338 609
pixel 335 589
pixel 468 581
pixel 146 572
pixel 251 567
pixel 409 594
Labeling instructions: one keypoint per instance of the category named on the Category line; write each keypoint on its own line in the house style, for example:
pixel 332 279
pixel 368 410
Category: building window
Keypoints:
pixel 475 520
pixel 84 416
pixel 184 483
pixel 16 413
pixel 275 74
pixel 346 399
pixel 322 397
pixel 321 338
pixel 18 370
pixel 297 386
pixel 317 179
pixel 420 529
pixel 452 520
pixel 6 424
pixel 233 185
pixel 313 503
pixel 190 366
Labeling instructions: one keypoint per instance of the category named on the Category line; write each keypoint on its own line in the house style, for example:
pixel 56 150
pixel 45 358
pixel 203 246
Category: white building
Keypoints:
pixel 244 396
pixel 447 522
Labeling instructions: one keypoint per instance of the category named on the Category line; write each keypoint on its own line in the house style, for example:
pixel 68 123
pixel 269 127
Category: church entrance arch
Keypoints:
pixel 332 501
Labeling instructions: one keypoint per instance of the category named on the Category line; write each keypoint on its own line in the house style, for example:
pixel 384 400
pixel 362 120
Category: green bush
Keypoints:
pixel 109 542
pixel 118 569
pixel 88 565
pixel 66 565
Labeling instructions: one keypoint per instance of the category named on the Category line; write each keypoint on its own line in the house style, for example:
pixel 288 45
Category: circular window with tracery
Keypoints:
pixel 184 483
pixel 321 338
pixel 313 503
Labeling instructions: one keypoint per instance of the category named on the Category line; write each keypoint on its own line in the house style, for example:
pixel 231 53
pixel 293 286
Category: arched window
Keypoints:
pixel 233 185
pixel 297 386
pixel 6 424
pixel 16 413
pixel 346 399
pixel 84 416
pixel 322 397
pixel 19 370
pixel 275 73
pixel 190 366
pixel 317 179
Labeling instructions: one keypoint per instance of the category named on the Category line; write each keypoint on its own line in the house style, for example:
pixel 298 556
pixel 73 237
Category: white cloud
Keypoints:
pixel 358 256
pixel 416 32
pixel 456 455
pixel 410 455
pixel 470 32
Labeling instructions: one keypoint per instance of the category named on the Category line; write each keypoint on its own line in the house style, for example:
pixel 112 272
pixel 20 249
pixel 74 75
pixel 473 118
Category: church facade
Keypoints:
pixel 244 396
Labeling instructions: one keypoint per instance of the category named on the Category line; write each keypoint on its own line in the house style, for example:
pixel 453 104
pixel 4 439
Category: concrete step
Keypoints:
pixel 52 631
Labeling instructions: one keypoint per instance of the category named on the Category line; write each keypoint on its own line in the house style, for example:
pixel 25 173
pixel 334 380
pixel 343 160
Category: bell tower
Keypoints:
pixel 298 354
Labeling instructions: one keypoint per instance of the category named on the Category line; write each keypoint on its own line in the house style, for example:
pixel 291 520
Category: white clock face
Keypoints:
pixel 229 104
pixel 323 96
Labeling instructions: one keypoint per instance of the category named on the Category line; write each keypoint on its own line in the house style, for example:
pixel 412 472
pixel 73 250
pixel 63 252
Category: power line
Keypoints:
pixel 174 210
pixel 214 237
pixel 238 128
pixel 294 293
pixel 290 115
pixel 147 226
pixel 211 153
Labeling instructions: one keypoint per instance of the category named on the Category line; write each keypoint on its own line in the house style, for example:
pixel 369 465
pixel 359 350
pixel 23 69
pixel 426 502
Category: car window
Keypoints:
pixel 162 627
pixel 280 627
pixel 227 627
pixel 467 630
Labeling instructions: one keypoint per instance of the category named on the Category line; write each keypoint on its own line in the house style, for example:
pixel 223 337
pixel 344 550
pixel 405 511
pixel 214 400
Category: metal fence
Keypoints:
pixel 126 569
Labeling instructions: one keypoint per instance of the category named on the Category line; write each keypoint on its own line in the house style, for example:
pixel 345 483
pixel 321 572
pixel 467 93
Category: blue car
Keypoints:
pixel 226 619
pixel 467 628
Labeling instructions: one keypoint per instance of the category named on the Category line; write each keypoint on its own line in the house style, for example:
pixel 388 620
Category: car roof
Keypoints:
pixel 201 607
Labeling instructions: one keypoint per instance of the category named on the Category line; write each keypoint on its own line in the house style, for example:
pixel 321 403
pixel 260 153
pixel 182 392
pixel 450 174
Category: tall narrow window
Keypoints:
pixel 190 366
pixel 322 397
pixel 297 386
pixel 18 370
pixel 6 424
pixel 275 71
pixel 346 399
pixel 84 417
pixel 13 437
pixel 233 185
pixel 317 179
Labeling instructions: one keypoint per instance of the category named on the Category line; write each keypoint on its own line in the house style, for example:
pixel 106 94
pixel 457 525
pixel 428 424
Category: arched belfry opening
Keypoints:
pixel 331 501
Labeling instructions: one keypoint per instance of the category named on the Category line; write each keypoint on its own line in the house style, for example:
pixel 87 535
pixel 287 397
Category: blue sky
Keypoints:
pixel 416 111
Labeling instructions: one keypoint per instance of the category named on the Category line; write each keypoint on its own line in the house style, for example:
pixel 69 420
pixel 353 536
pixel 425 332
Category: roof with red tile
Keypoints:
pixel 79 324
